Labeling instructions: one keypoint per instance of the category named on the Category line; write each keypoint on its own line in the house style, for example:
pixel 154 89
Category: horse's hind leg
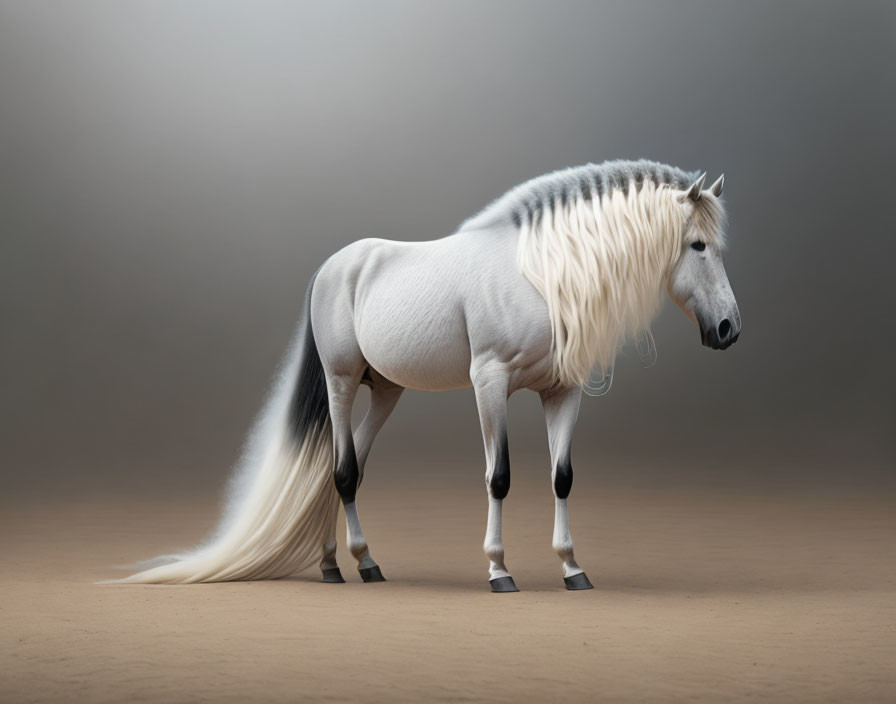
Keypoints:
pixel 383 397
pixel 561 408
pixel 332 320
pixel 350 454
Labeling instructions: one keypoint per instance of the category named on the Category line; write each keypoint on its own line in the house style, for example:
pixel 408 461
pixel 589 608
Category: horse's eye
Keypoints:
pixel 699 246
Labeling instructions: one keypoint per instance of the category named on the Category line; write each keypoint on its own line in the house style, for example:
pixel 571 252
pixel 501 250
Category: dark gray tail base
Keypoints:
pixel 309 409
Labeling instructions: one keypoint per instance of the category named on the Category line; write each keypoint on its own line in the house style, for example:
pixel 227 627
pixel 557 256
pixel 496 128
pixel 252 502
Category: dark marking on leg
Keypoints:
pixel 499 482
pixel 563 479
pixel 346 476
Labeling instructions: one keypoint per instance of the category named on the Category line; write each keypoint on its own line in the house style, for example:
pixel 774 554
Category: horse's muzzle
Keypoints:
pixel 720 336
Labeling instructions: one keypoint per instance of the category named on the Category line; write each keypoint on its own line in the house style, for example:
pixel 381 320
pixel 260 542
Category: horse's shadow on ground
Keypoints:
pixel 654 585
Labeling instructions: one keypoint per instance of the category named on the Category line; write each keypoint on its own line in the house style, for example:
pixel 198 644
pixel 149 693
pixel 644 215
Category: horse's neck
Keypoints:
pixel 601 282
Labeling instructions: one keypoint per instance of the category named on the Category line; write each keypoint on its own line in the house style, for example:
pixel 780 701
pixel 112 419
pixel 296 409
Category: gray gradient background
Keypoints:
pixel 172 173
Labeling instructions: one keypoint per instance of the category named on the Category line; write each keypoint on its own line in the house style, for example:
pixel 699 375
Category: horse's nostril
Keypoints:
pixel 724 329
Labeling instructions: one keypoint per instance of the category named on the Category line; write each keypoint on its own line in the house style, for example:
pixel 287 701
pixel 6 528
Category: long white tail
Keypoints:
pixel 283 502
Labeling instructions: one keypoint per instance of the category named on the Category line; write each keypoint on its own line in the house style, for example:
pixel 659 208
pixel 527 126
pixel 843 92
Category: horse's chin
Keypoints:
pixel 709 337
pixel 722 345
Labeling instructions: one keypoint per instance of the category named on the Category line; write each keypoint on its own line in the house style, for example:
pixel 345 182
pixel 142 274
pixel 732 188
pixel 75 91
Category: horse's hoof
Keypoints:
pixel 578 581
pixel 332 576
pixel 503 584
pixel 372 574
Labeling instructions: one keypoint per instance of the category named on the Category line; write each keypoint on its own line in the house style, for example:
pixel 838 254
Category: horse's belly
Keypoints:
pixel 415 334
pixel 415 354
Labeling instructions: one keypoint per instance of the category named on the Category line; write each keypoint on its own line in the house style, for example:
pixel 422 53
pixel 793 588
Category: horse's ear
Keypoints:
pixel 693 192
pixel 716 188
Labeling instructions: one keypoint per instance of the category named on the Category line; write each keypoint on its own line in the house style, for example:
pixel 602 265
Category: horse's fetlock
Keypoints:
pixel 330 549
pixel 358 550
pixel 563 548
pixel 495 553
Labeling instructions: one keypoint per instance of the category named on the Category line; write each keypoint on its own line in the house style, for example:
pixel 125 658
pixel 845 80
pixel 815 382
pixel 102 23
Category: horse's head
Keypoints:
pixel 697 281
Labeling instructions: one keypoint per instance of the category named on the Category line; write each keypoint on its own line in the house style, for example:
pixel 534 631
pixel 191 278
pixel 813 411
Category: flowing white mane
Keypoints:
pixel 598 242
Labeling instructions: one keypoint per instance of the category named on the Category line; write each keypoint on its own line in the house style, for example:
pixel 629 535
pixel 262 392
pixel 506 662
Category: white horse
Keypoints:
pixel 540 288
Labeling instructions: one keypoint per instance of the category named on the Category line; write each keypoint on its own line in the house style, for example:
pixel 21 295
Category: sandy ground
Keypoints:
pixel 705 597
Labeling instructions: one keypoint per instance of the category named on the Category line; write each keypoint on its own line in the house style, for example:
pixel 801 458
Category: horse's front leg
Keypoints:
pixel 491 385
pixel 561 408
